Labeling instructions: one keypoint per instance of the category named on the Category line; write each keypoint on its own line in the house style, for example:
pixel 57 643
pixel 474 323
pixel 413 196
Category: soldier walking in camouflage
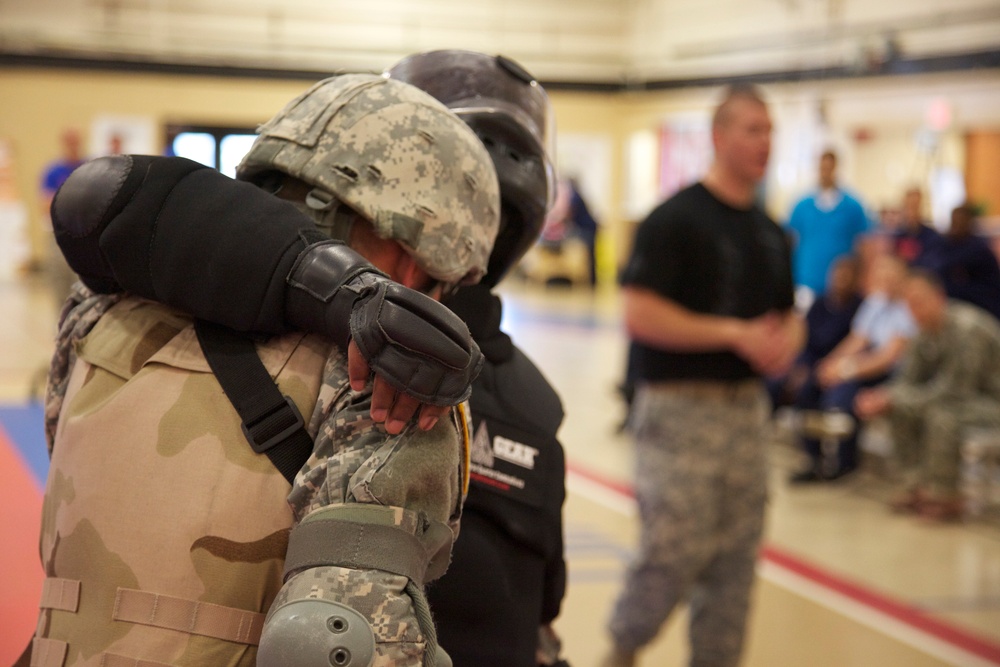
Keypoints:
pixel 708 306
pixel 949 382
pixel 166 539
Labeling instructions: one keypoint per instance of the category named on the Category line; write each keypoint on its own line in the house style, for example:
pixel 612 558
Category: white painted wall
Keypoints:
pixel 608 40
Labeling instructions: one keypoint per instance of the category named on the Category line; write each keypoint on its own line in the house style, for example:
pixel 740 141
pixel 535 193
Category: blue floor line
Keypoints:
pixel 24 425
pixel 514 316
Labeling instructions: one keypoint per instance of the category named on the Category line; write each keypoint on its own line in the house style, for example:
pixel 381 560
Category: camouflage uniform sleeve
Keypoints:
pixel 80 313
pixel 353 458
pixel 939 368
pixel 416 476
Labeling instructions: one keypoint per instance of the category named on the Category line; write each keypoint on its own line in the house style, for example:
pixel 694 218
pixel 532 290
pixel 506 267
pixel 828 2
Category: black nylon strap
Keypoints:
pixel 271 422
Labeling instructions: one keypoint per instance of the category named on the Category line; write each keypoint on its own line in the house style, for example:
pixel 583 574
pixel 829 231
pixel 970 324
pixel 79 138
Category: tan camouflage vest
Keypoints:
pixel 163 533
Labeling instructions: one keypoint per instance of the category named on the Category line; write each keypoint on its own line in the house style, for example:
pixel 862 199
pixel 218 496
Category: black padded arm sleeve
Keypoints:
pixel 174 231
pixel 164 228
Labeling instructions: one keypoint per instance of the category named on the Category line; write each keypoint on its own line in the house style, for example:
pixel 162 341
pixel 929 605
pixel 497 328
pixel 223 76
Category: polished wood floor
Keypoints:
pixel 842 581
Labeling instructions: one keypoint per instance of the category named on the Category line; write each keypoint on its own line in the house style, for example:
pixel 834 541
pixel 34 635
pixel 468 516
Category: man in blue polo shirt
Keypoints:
pixel 825 225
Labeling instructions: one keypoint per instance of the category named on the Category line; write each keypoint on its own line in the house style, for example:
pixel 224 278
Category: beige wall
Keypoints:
pixel 50 100
pixel 39 103
pixel 596 120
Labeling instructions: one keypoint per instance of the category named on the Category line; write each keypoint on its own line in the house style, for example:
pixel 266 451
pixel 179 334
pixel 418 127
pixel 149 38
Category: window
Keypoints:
pixel 221 148
pixel 232 149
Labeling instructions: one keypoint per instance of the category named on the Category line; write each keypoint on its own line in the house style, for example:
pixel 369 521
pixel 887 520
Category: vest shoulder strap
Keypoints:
pixel 272 423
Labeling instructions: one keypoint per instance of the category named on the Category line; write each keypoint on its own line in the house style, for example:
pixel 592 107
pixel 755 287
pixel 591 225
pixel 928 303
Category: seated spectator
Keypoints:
pixel 867 356
pixel 966 264
pixel 950 381
pixel 828 321
pixel 914 237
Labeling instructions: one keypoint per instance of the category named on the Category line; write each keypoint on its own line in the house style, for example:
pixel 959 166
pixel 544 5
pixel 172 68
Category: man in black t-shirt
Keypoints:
pixel 709 309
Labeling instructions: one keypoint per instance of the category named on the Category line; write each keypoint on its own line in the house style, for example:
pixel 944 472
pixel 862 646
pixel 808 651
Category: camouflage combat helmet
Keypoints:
pixel 397 157
pixel 511 114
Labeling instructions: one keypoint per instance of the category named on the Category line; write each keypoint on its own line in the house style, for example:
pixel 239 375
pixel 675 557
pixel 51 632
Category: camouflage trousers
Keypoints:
pixel 701 485
pixel 928 438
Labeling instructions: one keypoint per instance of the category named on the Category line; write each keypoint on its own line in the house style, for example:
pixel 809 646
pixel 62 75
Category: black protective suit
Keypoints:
pixel 507 574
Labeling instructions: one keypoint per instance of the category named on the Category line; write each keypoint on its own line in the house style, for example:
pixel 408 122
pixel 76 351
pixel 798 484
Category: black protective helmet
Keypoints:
pixel 511 114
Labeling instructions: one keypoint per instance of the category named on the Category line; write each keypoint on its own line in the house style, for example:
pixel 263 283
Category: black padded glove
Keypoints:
pixel 420 347
pixel 174 231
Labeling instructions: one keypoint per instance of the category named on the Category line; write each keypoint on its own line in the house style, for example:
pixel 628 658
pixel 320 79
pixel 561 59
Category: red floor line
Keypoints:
pixel 905 613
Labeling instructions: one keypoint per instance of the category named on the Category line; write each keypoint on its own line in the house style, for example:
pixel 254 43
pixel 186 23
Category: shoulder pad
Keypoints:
pixel 517 390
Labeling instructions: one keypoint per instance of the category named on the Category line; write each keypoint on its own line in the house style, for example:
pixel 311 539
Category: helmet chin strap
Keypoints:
pixel 332 217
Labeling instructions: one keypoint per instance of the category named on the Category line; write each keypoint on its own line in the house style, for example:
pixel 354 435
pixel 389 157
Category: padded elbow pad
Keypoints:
pixel 374 559
pixel 315 632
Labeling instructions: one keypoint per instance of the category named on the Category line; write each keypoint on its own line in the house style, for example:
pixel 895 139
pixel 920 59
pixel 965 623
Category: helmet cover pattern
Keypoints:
pixel 512 115
pixel 397 157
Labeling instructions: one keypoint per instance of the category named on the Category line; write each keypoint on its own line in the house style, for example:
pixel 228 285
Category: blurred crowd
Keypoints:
pixel 902 325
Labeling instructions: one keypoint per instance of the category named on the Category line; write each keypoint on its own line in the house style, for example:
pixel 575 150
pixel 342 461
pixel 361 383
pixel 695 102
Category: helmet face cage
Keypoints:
pixel 399 159
pixel 512 116
pixel 523 193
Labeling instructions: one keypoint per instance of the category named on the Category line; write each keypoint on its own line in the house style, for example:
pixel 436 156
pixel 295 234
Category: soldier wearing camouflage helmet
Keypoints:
pixel 166 538
pixel 482 621
pixel 376 165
